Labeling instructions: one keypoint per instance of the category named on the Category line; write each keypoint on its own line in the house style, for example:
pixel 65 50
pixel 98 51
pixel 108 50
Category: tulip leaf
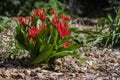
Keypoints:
pixel 65 53
pixel 32 44
pixel 20 36
pixel 75 30
pixel 60 54
pixel 44 54
pixel 56 37
pixel 63 40
pixel 42 46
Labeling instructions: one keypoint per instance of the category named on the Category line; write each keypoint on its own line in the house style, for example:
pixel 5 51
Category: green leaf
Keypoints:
pixel 44 54
pixel 56 37
pixel 59 54
pixel 110 18
pixel 75 30
pixel 63 40
pixel 18 28
pixel 76 56
pixel 31 42
pixel 1 28
pixel 42 47
pixel 21 37
pixel 44 34
pixel 65 53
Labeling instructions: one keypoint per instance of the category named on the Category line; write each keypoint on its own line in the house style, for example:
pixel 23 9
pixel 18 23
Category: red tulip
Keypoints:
pixel 62 29
pixel 42 27
pixel 67 44
pixel 22 20
pixel 43 18
pixel 29 37
pixel 55 20
pixel 31 18
pixel 64 32
pixel 53 11
pixel 33 32
pixel 65 18
pixel 38 12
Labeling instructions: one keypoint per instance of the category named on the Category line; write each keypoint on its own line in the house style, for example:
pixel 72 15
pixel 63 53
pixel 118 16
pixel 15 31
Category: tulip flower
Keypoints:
pixel 33 32
pixel 67 44
pixel 53 11
pixel 22 21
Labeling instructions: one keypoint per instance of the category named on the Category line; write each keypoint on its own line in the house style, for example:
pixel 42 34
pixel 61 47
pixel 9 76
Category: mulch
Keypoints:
pixel 95 64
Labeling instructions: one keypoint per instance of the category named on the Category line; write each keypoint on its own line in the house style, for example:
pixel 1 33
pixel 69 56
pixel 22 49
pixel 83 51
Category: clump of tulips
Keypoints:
pixel 46 36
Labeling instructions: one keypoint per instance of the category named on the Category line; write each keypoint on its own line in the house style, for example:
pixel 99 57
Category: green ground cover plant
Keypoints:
pixel 5 22
pixel 110 28
pixel 106 33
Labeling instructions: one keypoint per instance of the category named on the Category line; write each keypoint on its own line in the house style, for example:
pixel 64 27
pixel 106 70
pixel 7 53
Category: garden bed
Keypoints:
pixel 97 64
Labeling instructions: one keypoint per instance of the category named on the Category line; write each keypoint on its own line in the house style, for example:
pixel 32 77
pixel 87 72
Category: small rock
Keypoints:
pixel 90 62
pixel 26 72
pixel 44 71
pixel 27 78
pixel 38 69
pixel 56 74
pixel 72 74
pixel 113 60
pixel 13 74
pixel 115 51
pixel 22 75
pixel 33 73
pixel 40 74
pixel 6 73
pixel 99 78
pixel 84 69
